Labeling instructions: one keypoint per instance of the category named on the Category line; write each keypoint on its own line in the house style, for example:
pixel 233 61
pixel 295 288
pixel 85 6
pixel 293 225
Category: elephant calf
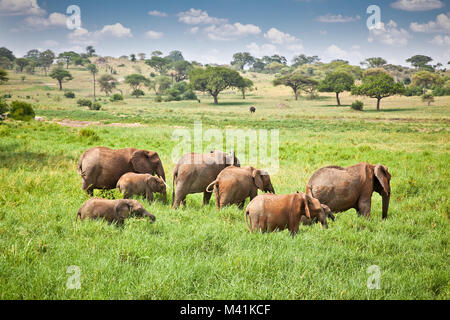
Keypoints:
pixel 234 184
pixel 141 184
pixel 269 212
pixel 112 210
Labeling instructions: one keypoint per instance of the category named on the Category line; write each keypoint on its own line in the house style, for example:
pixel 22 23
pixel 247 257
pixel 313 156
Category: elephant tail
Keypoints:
pixel 78 215
pixel 246 220
pixel 212 184
pixel 80 166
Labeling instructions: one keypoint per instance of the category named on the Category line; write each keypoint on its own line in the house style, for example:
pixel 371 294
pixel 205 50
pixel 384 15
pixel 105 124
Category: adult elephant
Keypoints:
pixel 101 167
pixel 351 187
pixel 195 171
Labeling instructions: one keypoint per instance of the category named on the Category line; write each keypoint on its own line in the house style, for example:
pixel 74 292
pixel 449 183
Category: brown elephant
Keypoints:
pixel 112 210
pixel 269 212
pixel 351 187
pixel 101 167
pixel 142 184
pixel 195 171
pixel 234 184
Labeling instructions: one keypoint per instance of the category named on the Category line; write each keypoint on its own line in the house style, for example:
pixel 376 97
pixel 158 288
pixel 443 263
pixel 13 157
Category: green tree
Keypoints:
pixel 6 53
pixel 182 67
pixel 376 62
pixel 156 53
pixel 426 80
pixel 174 55
pixel 90 51
pixel 158 63
pixel 133 57
pixel 22 63
pixel 419 61
pixel 337 82
pixel 241 59
pixel 107 83
pixel 244 85
pixel 378 86
pixel 3 76
pixel 60 74
pixel 213 80
pixel 68 57
pixel 295 81
pixel 135 81
pixel 303 59
pixel 46 59
pixel 93 70
pixel 428 98
pixel 162 83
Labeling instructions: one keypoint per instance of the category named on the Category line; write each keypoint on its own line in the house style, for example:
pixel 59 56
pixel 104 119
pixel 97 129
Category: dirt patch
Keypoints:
pixel 78 124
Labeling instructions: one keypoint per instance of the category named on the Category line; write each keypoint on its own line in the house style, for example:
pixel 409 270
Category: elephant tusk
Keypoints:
pixel 166 184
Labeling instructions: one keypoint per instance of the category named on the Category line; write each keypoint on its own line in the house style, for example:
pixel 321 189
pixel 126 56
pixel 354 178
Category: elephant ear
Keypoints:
pixel 256 175
pixel 384 177
pixel 140 159
pixel 122 208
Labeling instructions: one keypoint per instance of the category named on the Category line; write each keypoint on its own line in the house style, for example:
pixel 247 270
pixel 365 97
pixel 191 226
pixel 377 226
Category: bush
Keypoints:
pixel 138 93
pixel 21 110
pixel 428 98
pixel 441 91
pixel 95 106
pixel 413 91
pixel 69 95
pixel 3 106
pixel 84 102
pixel 116 97
pixel 190 95
pixel 158 99
pixel 172 95
pixel 6 96
pixel 357 105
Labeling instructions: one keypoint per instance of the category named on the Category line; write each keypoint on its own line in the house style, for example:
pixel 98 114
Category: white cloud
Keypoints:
pixel 333 52
pixel 278 37
pixel 154 35
pixel 231 31
pixel 20 7
pixel 329 18
pixel 417 5
pixel 389 34
pixel 263 50
pixel 442 24
pixel 116 30
pixel 198 16
pixel 50 43
pixel 194 30
pixel 157 13
pixel 441 40
pixel 54 19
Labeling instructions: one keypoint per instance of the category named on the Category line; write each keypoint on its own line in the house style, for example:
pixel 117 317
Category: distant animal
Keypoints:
pixel 101 167
pixel 195 171
pixel 112 210
pixel 269 212
pixel 198 100
pixel 234 184
pixel 351 187
pixel 143 184
pixel 252 109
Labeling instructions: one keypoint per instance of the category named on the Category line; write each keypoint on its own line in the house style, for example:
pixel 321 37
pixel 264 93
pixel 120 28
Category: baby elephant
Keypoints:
pixel 112 210
pixel 141 184
pixel 269 212
pixel 234 184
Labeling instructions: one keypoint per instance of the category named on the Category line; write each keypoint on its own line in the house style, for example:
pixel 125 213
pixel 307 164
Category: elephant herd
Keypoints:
pixel 330 189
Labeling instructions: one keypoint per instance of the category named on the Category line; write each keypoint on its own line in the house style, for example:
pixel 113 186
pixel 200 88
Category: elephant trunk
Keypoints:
pixel 160 171
pixel 386 199
pixel 164 193
pixel 149 215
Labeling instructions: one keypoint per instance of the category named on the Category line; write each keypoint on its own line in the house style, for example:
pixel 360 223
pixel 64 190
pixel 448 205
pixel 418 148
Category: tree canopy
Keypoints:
pixel 60 74
pixel 338 81
pixel 296 81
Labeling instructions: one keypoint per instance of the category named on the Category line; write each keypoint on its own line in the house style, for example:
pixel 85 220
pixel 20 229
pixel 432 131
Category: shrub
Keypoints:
pixel 158 99
pixel 152 74
pixel 95 106
pixel 172 94
pixel 69 95
pixel 441 91
pixel 3 106
pixel 189 95
pixel 413 91
pixel 116 97
pixel 6 96
pixel 21 110
pixel 137 93
pixel 84 102
pixel 428 98
pixel 357 105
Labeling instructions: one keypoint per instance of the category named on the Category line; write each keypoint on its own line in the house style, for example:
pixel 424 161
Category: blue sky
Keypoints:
pixel 211 31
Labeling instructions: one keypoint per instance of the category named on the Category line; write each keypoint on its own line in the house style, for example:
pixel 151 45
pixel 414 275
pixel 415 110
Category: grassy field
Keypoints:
pixel 198 252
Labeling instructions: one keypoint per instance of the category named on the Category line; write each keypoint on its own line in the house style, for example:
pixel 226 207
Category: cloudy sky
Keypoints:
pixel 211 31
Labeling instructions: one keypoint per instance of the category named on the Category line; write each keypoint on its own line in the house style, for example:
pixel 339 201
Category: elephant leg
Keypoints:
pixel 88 187
pixel 241 204
pixel 364 206
pixel 180 197
pixel 149 196
pixel 206 197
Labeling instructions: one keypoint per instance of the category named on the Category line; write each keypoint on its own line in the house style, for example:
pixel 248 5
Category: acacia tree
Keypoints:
pixel 214 80
pixel 135 81
pixel 46 59
pixel 243 85
pixel 426 80
pixel 241 59
pixel 60 74
pixel 376 62
pixel 378 86
pixel 68 57
pixel 93 70
pixel 3 76
pixel 295 81
pixel 302 59
pixel 337 82
pixel 158 63
pixel 107 83
pixel 90 51
pixel 21 63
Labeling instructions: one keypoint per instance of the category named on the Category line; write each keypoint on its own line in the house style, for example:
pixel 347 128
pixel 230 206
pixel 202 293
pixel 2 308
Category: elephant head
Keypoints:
pixel 144 161
pixel 262 180
pixel 382 185
pixel 156 184
pixel 127 207
pixel 225 158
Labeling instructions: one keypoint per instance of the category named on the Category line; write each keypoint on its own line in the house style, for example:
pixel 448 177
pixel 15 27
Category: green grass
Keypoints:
pixel 199 252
